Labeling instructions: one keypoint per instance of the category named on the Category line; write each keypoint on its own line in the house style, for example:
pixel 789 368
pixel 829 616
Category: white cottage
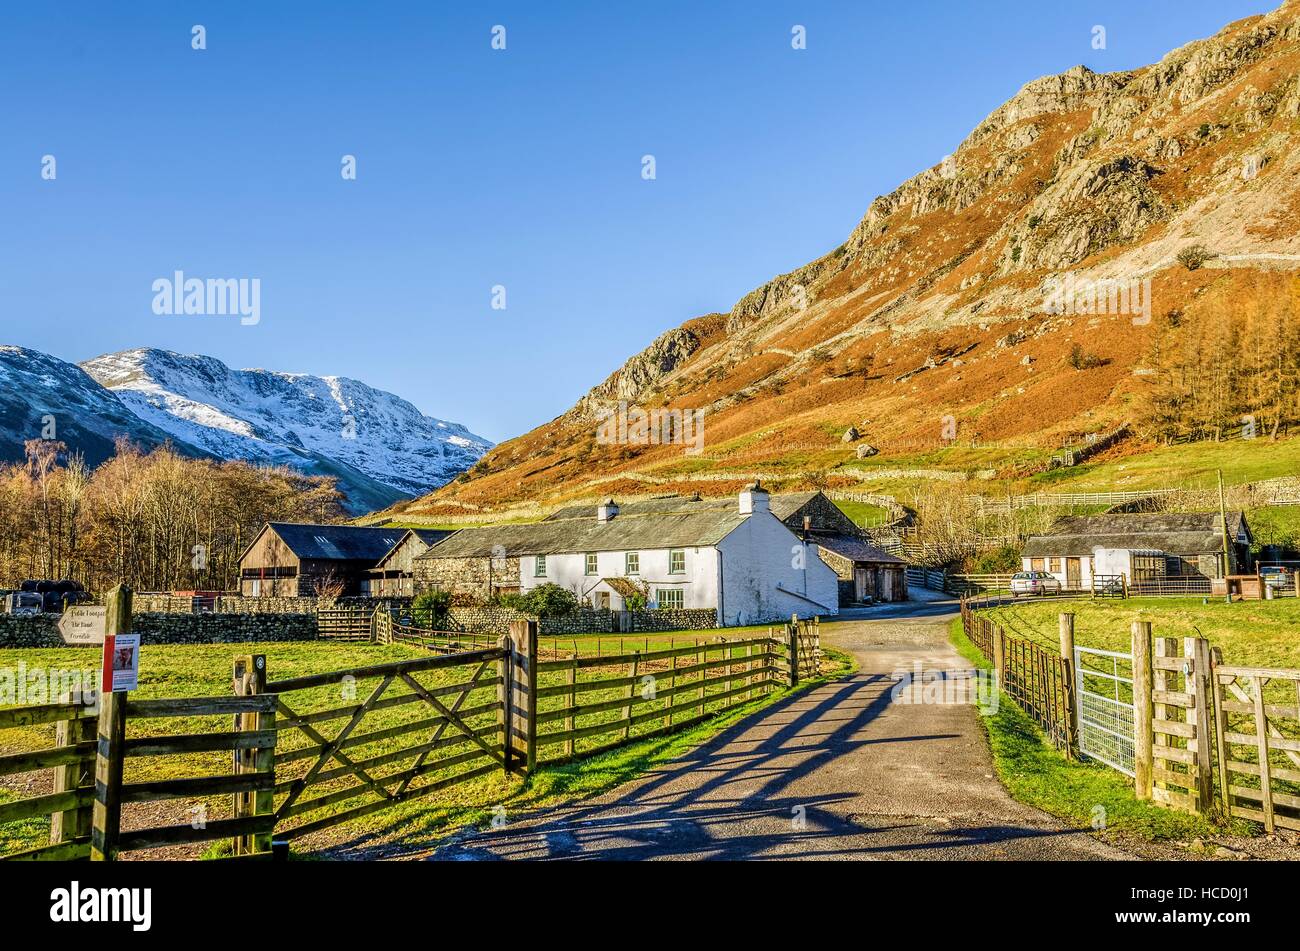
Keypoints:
pixel 741 561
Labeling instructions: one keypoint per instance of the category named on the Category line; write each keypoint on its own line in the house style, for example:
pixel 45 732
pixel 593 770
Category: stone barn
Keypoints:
pixel 394 574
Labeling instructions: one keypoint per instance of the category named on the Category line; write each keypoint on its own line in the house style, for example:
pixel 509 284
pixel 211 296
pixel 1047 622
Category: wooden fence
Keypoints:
pixel 314 751
pixel 350 623
pixel 1037 680
pixel 1207 736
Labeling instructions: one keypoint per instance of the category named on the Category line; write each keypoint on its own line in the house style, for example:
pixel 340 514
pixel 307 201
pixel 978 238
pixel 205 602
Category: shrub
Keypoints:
pixel 1194 256
pixel 1082 359
pixel 546 600
pixel 429 609
pixel 994 561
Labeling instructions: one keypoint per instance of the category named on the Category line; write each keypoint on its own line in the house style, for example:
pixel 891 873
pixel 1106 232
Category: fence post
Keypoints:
pixel 999 651
pixel 1071 678
pixel 250 680
pixel 74 823
pixel 1142 709
pixel 1198 650
pixel 106 817
pixel 792 639
pixel 505 697
pixel 524 682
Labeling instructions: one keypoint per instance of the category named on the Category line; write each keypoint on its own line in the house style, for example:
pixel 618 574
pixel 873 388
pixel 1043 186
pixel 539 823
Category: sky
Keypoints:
pixel 478 168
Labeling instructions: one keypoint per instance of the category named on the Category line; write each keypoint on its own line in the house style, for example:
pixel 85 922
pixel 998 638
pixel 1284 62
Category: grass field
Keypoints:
pixel 205 670
pixel 1251 633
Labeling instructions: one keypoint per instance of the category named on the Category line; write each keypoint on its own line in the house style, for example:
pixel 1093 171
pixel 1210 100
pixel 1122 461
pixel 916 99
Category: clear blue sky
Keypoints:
pixel 478 167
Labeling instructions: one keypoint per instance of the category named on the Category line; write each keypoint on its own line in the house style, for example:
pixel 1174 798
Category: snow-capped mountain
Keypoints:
pixel 381 447
pixel 44 397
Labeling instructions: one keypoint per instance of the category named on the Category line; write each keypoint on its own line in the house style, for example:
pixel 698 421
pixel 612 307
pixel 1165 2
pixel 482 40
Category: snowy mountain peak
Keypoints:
pixel 323 425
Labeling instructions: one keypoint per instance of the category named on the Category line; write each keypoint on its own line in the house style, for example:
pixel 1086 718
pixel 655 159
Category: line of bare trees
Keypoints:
pixel 157 521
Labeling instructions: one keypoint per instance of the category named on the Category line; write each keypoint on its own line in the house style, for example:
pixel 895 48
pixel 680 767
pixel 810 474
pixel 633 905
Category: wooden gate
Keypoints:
pixel 402 730
pixel 345 623
pixel 1257 728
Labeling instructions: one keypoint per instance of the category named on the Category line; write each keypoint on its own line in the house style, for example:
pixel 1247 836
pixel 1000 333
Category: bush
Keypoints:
pixel 547 600
pixel 429 609
pixel 1193 257
pixel 994 561
pixel 1081 359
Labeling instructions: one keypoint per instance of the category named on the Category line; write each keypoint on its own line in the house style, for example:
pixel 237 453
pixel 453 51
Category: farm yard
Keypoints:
pixel 589 690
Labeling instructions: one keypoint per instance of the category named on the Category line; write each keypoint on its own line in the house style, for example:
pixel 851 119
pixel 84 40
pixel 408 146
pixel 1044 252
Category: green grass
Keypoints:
pixel 205 670
pixel 1190 466
pixel 1082 794
pixel 863 513
pixel 1251 633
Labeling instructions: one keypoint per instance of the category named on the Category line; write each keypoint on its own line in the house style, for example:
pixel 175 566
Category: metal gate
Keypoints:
pixel 1105 692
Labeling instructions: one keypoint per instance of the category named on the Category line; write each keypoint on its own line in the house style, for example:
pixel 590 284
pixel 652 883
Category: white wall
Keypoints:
pixel 1085 569
pixel 760 580
pixel 699 584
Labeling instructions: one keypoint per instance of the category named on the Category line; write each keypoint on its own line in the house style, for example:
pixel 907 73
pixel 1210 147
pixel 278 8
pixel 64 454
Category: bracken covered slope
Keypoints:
pixel 936 313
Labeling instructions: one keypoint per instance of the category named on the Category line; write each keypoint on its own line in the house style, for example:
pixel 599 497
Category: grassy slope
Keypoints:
pixel 1083 794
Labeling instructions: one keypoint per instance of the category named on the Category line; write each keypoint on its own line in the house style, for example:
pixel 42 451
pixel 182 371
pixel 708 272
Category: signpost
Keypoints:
pixel 83 624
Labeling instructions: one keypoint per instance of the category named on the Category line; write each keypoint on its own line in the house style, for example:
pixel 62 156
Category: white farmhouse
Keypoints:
pixel 741 561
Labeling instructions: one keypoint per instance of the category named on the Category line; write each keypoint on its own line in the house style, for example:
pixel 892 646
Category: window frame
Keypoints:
pixel 679 597
pixel 539 566
pixel 590 564
pixel 673 554
pixel 631 562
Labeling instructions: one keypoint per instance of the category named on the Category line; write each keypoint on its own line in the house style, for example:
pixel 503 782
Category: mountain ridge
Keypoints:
pixel 1094 176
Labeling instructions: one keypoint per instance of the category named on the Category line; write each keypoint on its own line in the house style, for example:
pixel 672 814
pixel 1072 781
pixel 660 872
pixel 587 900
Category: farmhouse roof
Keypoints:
pixel 626 532
pixel 783 506
pixel 1175 532
pixel 856 549
pixel 336 542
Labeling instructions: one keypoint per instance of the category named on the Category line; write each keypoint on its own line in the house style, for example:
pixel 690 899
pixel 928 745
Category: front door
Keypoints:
pixel 861 584
pixel 1073 574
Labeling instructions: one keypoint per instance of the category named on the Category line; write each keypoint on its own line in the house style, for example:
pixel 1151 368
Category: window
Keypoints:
pixel 677 562
pixel 539 569
pixel 632 563
pixel 591 563
pixel 1054 564
pixel 1035 564
pixel 670 599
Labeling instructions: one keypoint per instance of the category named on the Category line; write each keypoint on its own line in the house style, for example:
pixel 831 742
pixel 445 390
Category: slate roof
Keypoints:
pixel 337 542
pixel 783 506
pixel 1176 533
pixel 626 532
pixel 430 537
pixel 855 549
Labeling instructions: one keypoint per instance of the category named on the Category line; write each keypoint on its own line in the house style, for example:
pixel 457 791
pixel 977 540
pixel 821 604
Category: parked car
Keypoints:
pixel 23 602
pixel 1276 577
pixel 1034 582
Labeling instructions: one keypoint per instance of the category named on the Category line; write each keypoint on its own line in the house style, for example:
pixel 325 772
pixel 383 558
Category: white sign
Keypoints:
pixel 121 663
pixel 83 624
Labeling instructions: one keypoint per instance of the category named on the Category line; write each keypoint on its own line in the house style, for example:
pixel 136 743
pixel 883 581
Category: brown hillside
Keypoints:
pixel 938 303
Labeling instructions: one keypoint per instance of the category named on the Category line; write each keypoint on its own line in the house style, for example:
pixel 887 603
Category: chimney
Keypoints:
pixel 753 499
pixel 606 511
pixel 807 526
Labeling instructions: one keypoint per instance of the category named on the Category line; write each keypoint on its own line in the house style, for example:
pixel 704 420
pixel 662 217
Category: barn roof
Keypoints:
pixel 856 549
pixel 336 542
pixel 429 536
pixel 1179 533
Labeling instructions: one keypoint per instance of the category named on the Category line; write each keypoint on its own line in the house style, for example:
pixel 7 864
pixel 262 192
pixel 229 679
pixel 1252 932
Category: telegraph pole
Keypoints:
pixel 1223 515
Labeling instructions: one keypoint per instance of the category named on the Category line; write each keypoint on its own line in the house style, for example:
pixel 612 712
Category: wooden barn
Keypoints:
pixel 291 560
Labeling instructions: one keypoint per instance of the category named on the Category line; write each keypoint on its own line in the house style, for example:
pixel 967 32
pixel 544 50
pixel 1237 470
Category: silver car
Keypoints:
pixel 1034 582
